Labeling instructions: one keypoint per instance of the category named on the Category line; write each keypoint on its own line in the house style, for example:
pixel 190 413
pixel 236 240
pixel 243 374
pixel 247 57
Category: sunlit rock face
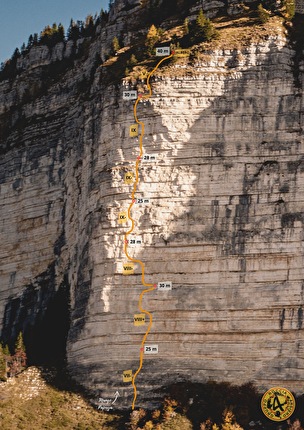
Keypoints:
pixel 224 223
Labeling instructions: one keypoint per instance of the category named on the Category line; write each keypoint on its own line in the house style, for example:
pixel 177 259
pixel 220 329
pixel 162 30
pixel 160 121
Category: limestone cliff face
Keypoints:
pixel 224 222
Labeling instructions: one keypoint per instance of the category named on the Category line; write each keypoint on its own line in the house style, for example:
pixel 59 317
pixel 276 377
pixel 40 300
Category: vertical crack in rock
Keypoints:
pixel 82 294
pixel 282 319
pixel 300 318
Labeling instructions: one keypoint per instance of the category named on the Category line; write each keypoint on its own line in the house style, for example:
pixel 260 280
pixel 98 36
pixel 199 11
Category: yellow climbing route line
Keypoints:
pixel 151 286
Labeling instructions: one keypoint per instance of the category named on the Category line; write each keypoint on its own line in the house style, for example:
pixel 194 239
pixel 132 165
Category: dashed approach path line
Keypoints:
pixel 151 287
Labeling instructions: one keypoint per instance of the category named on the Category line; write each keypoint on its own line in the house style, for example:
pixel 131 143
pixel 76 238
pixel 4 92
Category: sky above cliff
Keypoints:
pixel 20 18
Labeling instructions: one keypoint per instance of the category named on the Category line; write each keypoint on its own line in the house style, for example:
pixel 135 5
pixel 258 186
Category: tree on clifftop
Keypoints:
pixel 152 38
pixel 73 31
pixel 50 36
pixel 202 30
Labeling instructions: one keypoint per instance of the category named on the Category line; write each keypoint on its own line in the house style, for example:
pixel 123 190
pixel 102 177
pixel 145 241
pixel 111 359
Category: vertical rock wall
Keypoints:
pixel 224 223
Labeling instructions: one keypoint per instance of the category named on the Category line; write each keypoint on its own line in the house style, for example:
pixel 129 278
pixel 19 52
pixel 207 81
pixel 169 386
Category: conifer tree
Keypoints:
pixel 290 8
pixel 152 38
pixel 18 361
pixel 7 358
pixel 16 54
pixel 46 35
pixel 19 345
pixel 202 30
pixel 103 17
pixel 200 19
pixel 35 39
pixel 263 14
pixel 6 351
pixel 88 27
pixel 3 370
pixel 73 31
pixel 186 27
pixel 115 45
pixel 132 61
pixel 30 41
pixel 61 32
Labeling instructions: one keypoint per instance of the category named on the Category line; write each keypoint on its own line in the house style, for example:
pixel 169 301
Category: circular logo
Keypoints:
pixel 278 404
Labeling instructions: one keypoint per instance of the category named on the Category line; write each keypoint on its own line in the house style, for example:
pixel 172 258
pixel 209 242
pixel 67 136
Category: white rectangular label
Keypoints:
pixel 129 95
pixel 149 158
pixel 164 286
pixel 151 349
pixel 163 51
pixel 141 201
pixel 134 241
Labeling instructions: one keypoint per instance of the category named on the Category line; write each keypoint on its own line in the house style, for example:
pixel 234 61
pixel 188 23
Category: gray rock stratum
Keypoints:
pixel 224 223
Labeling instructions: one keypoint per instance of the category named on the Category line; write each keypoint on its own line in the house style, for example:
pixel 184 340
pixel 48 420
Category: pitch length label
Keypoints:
pixel 149 158
pixel 162 51
pixel 151 349
pixel 164 286
pixel 134 241
pixel 129 95
pixel 142 201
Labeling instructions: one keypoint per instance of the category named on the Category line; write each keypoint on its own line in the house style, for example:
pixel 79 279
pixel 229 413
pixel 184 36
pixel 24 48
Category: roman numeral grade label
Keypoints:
pixel 129 95
pixel 128 179
pixel 133 131
pixel 122 217
pixel 163 51
pixel 164 286
pixel 128 268
pixel 149 158
pixel 139 319
pixel 127 376
pixel 151 349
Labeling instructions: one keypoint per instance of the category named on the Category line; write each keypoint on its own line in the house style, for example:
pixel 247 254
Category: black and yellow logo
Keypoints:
pixel 278 404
